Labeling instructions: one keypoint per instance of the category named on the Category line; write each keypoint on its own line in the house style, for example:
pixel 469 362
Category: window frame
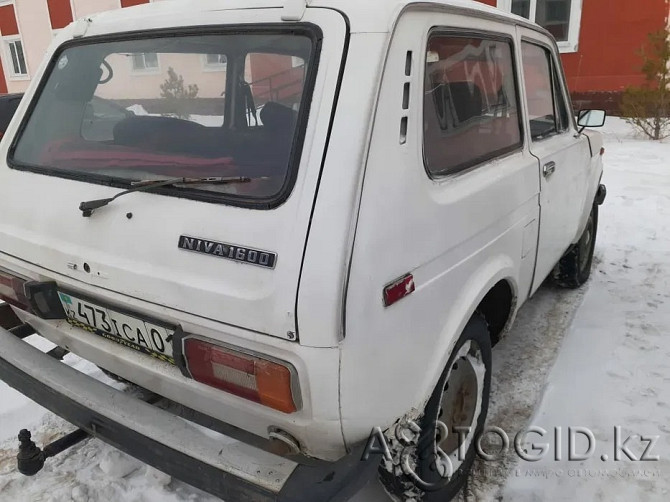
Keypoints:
pixel 574 23
pixel 558 84
pixel 8 41
pixel 480 161
pixel 309 30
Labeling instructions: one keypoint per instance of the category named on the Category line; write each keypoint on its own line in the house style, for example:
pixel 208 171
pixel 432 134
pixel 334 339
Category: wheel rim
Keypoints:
pixel 585 245
pixel 460 407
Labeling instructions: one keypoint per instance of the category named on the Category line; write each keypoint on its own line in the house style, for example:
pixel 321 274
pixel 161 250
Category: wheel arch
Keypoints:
pixel 497 308
pixel 493 281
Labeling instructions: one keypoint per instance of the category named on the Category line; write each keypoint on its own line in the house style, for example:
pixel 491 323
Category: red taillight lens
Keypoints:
pixel 259 380
pixel 11 290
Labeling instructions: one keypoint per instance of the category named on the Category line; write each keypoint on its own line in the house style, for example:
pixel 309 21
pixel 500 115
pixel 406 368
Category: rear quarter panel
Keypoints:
pixel 595 174
pixel 457 235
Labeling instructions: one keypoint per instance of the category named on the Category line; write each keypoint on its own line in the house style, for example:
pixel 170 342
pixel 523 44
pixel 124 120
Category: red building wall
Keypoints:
pixel 8 24
pixel 609 39
pixel 60 13
pixel 3 82
pixel 130 3
pixel 607 60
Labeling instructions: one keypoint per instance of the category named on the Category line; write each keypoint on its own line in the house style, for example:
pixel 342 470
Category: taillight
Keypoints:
pixel 12 290
pixel 256 379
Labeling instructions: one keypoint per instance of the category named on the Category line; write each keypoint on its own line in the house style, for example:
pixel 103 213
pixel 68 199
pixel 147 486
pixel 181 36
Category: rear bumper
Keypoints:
pixel 229 469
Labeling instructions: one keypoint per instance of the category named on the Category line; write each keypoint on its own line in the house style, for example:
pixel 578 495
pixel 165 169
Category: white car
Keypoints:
pixel 325 216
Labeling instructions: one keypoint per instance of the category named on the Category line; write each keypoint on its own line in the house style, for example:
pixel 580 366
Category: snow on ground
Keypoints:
pixel 595 358
pixel 612 368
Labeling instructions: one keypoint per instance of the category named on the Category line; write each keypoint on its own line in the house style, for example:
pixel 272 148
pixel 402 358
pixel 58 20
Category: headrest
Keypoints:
pixel 278 117
pixel 135 130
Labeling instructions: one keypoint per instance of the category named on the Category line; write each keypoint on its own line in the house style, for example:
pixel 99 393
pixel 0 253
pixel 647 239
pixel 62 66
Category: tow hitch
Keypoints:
pixel 30 459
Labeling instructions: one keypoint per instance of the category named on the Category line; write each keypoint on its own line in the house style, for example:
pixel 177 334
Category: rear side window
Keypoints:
pixel 471 111
pixel 547 109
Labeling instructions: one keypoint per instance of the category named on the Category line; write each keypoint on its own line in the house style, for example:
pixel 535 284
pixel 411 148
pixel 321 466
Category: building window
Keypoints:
pixel 521 8
pixel 560 17
pixel 215 61
pixel 18 59
pixel 145 61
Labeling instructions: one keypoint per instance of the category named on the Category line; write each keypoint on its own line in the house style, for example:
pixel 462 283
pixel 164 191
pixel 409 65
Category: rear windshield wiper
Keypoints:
pixel 88 207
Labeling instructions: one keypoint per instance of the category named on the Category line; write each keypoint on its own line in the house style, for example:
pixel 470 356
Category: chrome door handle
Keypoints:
pixel 548 169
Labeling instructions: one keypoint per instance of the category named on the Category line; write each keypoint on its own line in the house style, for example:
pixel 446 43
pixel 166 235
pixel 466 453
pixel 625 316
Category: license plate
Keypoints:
pixel 130 331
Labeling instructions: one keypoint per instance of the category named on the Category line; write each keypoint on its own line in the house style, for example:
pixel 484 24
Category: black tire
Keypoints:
pixel 431 485
pixel 574 268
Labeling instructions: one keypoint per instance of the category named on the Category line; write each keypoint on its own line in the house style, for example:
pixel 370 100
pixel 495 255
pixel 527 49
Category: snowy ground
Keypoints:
pixel 595 358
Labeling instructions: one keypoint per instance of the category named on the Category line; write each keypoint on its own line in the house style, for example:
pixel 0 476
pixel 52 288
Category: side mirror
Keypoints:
pixel 591 118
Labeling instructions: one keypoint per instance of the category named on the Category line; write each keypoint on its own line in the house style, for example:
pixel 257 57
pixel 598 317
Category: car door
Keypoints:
pixel 563 153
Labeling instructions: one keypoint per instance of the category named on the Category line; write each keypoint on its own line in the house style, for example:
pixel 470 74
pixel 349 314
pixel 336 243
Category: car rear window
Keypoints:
pixel 197 105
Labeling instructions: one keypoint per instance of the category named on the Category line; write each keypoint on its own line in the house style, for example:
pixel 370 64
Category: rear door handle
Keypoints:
pixel 548 169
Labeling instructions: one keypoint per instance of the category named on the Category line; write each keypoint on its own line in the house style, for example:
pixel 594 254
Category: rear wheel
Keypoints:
pixel 574 268
pixel 436 466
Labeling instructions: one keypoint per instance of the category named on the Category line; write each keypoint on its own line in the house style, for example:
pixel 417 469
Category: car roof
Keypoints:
pixel 363 15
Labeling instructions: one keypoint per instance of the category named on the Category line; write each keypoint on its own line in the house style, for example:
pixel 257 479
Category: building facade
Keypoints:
pixel 27 27
pixel 598 39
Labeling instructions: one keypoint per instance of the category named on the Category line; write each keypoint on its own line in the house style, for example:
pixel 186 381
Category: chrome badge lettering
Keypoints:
pixel 233 252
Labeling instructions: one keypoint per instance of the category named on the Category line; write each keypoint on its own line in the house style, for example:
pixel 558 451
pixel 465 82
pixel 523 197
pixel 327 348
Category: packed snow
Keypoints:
pixel 594 358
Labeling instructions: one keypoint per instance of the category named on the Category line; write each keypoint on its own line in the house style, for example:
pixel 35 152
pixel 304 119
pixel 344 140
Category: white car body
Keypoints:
pixel 363 213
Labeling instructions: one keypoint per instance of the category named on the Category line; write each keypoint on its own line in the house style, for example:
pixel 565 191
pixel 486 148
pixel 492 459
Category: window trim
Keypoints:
pixel 7 41
pixel 501 153
pixel 309 30
pixel 574 24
